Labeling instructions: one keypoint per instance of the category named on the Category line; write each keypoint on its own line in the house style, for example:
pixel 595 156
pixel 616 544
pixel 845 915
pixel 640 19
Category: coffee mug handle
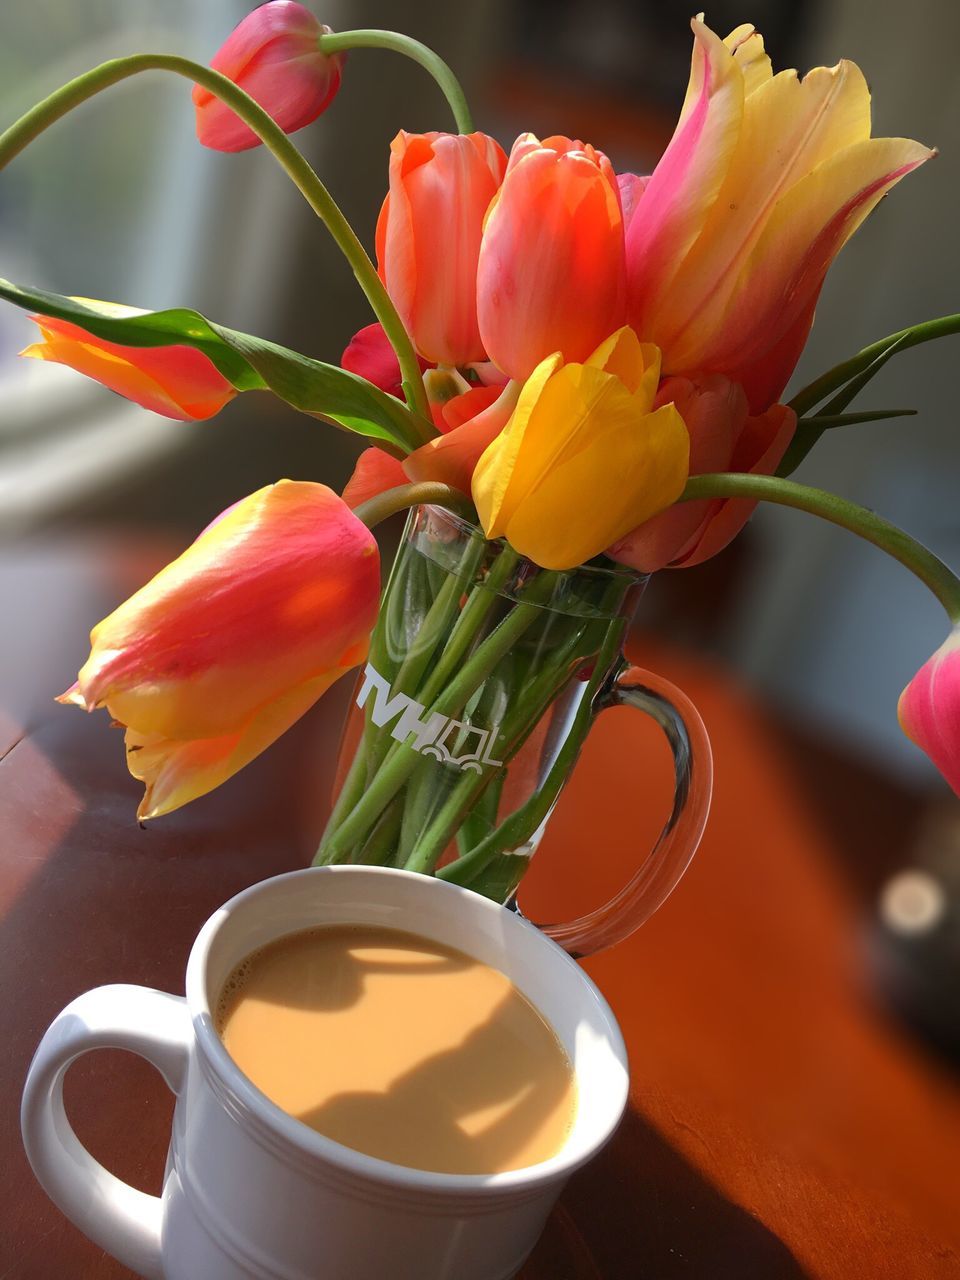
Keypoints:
pixel 153 1024
pixel 658 874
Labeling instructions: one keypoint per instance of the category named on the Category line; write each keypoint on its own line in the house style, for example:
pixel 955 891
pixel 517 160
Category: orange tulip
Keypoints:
pixel 723 437
pixel 227 646
pixel 428 237
pixel 369 354
pixel 177 382
pixel 552 274
pixel 765 179
pixel 273 55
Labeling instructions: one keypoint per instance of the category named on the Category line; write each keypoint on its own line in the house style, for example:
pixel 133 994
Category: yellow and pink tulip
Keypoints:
pixel 227 646
pixel 765 179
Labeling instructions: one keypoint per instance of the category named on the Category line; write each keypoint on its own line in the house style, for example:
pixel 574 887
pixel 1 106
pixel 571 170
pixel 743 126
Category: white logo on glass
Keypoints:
pixel 442 737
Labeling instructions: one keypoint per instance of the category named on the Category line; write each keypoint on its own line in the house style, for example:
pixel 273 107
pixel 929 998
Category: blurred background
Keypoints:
pixel 119 202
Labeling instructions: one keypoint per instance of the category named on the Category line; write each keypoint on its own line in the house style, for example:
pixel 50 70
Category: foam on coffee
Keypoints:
pixel 400 1047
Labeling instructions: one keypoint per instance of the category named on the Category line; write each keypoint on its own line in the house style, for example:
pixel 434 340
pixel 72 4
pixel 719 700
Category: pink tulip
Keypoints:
pixel 723 437
pixel 765 179
pixel 929 709
pixel 370 355
pixel 227 646
pixel 551 274
pixel 177 382
pixel 274 55
pixel 428 237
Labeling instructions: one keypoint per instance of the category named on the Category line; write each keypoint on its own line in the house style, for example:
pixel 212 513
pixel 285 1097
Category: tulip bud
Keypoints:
pixel 552 272
pixel 227 646
pixel 929 709
pixel 584 458
pixel 178 382
pixel 274 56
pixel 428 238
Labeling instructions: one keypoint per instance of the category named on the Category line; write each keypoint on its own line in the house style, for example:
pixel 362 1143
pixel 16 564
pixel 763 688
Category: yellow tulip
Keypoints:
pixel 584 458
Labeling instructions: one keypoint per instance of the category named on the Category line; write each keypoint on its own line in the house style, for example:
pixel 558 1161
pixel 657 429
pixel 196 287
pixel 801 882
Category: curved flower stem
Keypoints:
pixel 426 493
pixel 85 86
pixel 341 41
pixel 931 570
pixel 841 374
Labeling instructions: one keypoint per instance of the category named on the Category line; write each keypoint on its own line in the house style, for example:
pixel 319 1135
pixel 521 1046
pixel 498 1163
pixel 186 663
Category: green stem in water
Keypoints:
pixel 77 91
pixel 930 569
pixel 341 41
pixel 426 493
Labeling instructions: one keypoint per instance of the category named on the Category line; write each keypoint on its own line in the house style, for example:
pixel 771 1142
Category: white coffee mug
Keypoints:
pixel 251 1192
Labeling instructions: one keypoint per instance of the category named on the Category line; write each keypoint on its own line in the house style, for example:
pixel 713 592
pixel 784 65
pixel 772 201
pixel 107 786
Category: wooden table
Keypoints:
pixel 780 1124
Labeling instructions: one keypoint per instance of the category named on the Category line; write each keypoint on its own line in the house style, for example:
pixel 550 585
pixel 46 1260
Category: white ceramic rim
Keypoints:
pixel 313 1144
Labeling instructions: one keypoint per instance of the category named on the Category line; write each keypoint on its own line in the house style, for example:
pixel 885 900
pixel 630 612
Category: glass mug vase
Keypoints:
pixel 484 677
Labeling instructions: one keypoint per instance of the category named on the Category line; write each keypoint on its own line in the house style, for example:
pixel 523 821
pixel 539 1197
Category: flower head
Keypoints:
pixel 428 237
pixel 227 646
pixel 929 709
pixel 178 382
pixel 765 179
pixel 274 56
pixel 585 456
pixel 551 273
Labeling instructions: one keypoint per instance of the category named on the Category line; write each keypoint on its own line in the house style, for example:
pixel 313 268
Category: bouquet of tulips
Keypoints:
pixel 581 367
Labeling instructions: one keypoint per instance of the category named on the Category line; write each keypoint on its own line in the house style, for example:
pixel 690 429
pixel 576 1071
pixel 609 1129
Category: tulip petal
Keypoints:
pixel 375 472
pixel 428 238
pixel 177 382
pixel 274 594
pixel 685 183
pixel 176 772
pixel 452 458
pixel 929 709
pixel 551 273
pixel 370 355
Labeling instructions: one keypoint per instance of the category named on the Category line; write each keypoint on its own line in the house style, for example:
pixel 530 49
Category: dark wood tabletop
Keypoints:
pixel 781 1124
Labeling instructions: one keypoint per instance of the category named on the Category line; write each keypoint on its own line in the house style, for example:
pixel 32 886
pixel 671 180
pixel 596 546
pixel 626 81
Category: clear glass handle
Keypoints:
pixel 659 873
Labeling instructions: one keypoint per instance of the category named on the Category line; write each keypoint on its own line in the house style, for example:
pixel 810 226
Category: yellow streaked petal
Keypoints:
pixel 629 467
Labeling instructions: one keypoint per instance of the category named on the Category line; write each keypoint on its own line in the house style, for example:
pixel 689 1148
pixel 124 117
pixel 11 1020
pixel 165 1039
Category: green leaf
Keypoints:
pixel 247 362
pixel 809 432
pixel 826 421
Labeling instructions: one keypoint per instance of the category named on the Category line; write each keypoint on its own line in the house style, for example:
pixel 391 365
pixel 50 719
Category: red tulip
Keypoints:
pixel 370 355
pixel 551 276
pixel 273 54
pixel 929 709
pixel 227 646
pixel 428 237
pixel 723 437
pixel 177 382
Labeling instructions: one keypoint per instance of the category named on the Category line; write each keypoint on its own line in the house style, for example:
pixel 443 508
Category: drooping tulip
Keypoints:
pixel 724 436
pixel 929 709
pixel 273 54
pixel 764 180
pixel 177 381
pixel 227 646
pixel 428 238
pixel 551 275
pixel 585 457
